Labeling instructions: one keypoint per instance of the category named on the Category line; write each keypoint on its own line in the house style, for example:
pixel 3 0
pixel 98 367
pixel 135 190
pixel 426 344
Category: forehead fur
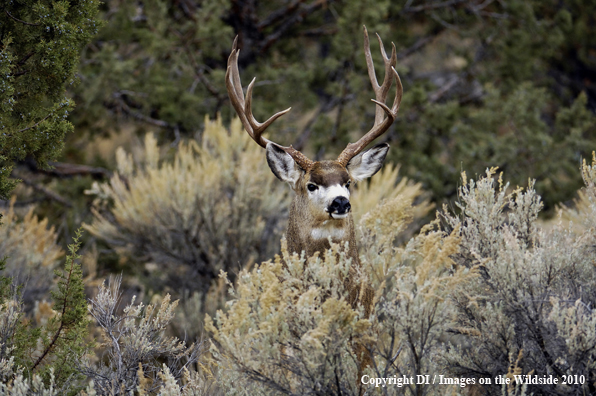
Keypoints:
pixel 328 173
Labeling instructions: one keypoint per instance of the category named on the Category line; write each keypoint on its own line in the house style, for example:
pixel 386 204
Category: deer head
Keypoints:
pixel 321 207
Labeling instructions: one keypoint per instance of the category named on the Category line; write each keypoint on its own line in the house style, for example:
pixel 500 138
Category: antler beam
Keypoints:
pixel 243 108
pixel 382 123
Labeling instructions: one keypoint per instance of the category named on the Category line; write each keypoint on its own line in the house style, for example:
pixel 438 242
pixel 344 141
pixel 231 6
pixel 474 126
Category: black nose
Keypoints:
pixel 340 205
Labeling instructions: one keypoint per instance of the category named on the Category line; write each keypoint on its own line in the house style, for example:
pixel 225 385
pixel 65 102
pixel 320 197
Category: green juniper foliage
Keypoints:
pixel 5 282
pixel 150 62
pixel 67 331
pixel 39 54
pixel 51 350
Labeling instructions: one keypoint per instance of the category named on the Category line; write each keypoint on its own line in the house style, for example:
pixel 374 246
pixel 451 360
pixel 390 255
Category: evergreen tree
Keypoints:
pixel 40 42
pixel 50 350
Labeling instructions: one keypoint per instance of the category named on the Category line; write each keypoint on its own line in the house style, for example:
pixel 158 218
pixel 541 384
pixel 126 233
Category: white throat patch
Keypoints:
pixel 326 232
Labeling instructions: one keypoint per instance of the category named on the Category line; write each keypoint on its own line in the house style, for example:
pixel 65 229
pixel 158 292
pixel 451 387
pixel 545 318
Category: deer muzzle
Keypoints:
pixel 339 207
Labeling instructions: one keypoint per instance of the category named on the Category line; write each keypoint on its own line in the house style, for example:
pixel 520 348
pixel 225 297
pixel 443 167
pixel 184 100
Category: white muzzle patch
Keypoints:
pixel 331 194
pixel 339 216
pixel 335 191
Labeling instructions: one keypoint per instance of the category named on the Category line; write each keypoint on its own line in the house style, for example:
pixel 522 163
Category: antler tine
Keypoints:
pixel 243 108
pixel 382 123
pixel 381 91
pixel 234 87
pixel 259 127
pixel 233 64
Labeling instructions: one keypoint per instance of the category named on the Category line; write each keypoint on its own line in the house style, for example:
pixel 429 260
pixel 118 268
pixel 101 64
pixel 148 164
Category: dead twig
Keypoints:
pixel 320 31
pixel 36 124
pixel 419 44
pixel 432 6
pixel 26 202
pixel 439 93
pixel 44 190
pixel 199 71
pixel 21 21
pixel 300 13
pixel 24 59
pixel 279 14
pixel 66 169
pixel 307 130
pixel 126 109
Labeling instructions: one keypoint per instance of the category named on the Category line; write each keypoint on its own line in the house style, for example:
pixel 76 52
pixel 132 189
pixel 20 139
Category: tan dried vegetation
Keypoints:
pixel 474 293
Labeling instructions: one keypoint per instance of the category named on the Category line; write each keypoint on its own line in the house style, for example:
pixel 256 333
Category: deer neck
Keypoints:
pixel 311 235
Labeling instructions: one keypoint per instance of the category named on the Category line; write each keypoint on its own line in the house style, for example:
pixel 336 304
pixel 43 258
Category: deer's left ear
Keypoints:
pixel 366 164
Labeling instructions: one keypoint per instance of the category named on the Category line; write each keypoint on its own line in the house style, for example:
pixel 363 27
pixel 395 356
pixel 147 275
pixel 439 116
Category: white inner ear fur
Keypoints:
pixel 366 164
pixel 283 165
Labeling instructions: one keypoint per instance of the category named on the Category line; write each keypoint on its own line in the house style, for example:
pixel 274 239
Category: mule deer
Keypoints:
pixel 320 210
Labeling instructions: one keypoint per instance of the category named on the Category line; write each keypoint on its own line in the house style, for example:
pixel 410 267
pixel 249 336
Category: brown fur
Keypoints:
pixel 303 219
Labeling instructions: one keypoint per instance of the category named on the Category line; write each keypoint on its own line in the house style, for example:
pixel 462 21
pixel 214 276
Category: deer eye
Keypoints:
pixel 347 185
pixel 312 187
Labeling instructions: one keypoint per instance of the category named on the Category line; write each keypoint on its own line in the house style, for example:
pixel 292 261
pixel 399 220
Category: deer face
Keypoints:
pixel 322 187
pixel 325 185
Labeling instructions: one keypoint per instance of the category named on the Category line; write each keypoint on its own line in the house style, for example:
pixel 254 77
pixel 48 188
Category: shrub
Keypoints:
pixel 45 360
pixel 215 206
pixel 387 185
pixel 582 214
pixel 135 343
pixel 479 294
pixel 31 253
pixel 532 302
pixel 289 329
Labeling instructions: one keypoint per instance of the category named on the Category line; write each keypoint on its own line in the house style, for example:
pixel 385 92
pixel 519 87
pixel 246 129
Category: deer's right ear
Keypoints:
pixel 283 165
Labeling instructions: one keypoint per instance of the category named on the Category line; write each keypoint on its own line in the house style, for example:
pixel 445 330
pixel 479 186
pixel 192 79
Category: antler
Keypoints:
pixel 243 107
pixel 382 123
